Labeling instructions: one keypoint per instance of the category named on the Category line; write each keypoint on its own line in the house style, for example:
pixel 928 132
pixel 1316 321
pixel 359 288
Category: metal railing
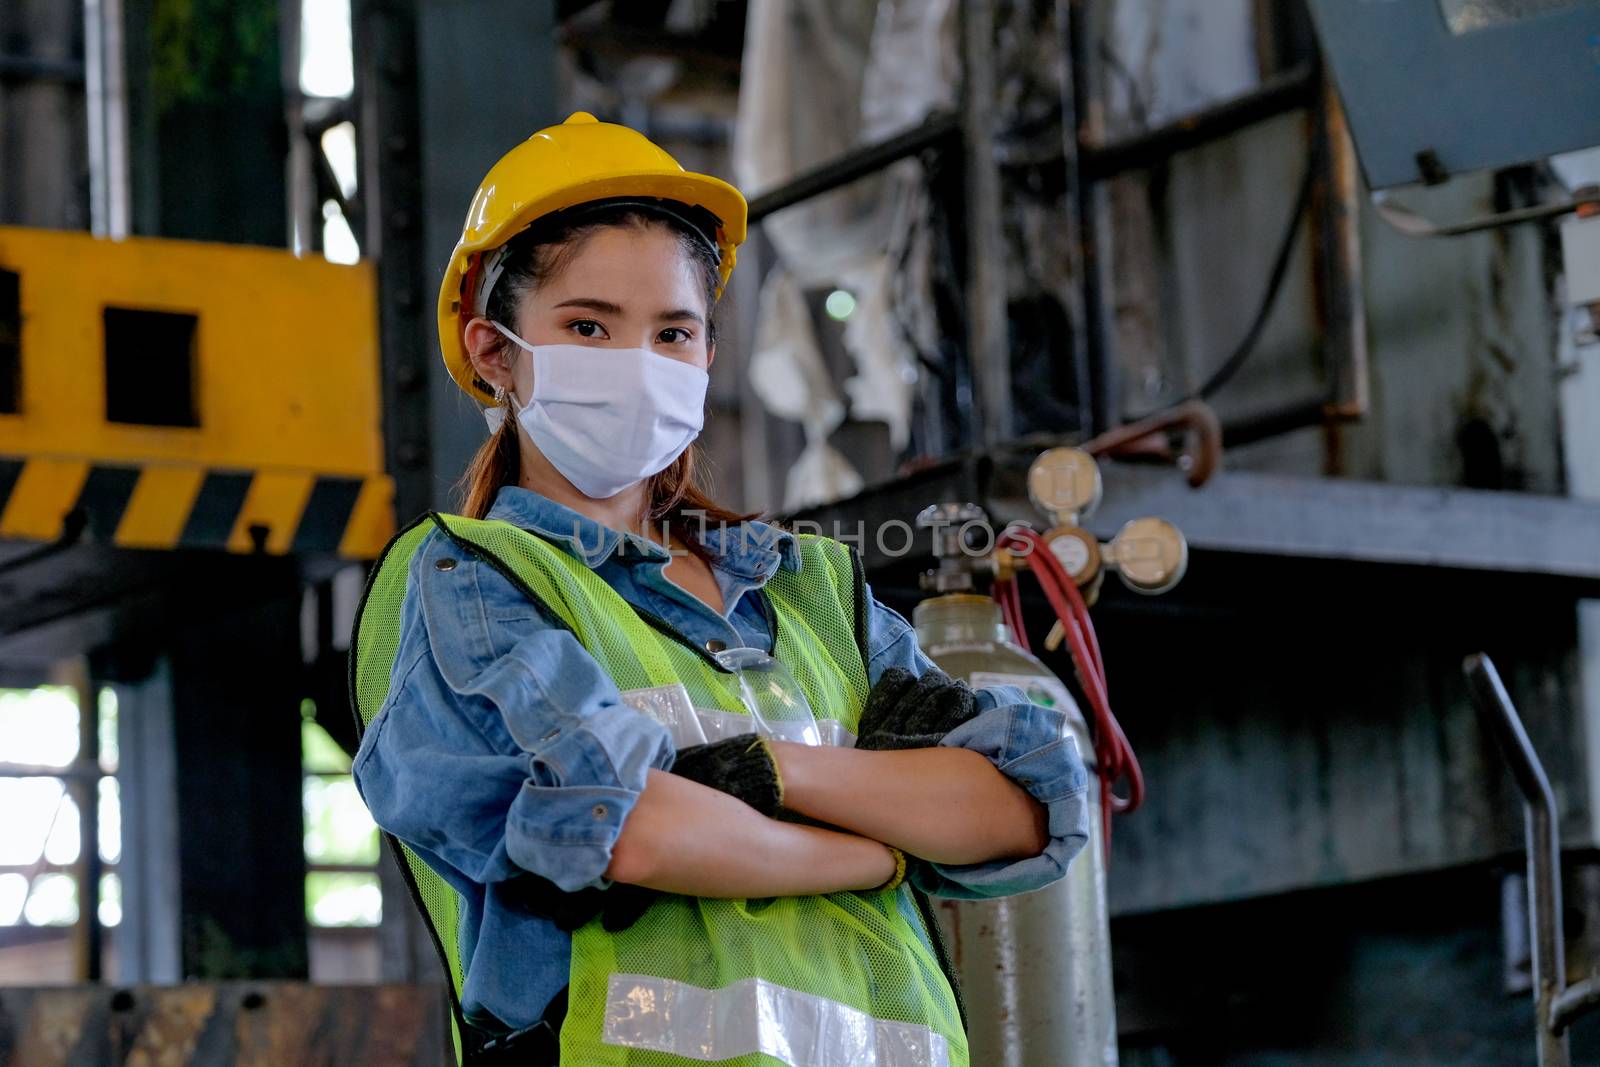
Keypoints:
pixel 1556 1004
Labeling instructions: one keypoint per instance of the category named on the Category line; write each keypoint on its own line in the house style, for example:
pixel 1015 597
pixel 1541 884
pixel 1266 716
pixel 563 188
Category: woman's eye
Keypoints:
pixel 673 335
pixel 587 328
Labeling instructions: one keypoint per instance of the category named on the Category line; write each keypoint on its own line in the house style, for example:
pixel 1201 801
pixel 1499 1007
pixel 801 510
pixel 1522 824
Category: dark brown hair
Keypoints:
pixel 535 256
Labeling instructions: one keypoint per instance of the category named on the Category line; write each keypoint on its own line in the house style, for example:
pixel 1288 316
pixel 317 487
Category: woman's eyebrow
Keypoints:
pixel 605 307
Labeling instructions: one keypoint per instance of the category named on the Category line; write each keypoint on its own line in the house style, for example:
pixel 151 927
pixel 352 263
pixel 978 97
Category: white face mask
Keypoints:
pixel 607 418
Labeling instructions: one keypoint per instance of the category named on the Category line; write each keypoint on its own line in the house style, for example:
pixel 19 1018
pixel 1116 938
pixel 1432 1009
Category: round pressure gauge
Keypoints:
pixel 1064 483
pixel 1150 554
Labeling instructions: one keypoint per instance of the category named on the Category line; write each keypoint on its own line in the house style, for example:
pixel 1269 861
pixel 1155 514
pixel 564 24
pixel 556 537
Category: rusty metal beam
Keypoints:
pixel 988 342
pixel 1289 91
pixel 243 1024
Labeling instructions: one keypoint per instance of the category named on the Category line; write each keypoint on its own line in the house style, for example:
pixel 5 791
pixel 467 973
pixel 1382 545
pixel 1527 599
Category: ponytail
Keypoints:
pixel 498 462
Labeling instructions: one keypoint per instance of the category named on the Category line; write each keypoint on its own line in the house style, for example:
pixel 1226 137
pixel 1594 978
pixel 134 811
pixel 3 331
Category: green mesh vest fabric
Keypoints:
pixel 816 980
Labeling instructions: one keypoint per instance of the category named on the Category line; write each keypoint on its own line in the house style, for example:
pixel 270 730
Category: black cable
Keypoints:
pixel 1280 270
pixel 1280 267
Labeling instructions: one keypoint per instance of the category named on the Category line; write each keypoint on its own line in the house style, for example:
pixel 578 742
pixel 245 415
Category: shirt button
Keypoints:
pixel 599 811
pixel 715 645
pixel 446 564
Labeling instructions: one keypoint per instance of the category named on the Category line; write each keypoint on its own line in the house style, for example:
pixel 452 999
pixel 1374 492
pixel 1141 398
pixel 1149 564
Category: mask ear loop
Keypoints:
pixel 505 401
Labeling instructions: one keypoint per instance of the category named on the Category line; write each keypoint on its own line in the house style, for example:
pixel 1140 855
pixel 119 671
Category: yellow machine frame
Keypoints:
pixel 287 455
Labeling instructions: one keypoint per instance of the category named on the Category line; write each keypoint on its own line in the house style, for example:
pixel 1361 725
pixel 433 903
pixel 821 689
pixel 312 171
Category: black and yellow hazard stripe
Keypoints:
pixel 173 506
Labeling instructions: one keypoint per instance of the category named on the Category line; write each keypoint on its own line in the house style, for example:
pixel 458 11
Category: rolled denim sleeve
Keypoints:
pixel 502 746
pixel 1031 745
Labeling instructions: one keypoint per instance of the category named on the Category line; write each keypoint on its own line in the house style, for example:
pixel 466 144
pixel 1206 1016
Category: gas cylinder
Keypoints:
pixel 1035 968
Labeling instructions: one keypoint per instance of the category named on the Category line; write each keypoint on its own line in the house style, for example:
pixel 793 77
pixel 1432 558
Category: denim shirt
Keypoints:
pixel 503 746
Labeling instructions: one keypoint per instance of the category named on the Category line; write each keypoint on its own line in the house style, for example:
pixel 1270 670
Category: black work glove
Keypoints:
pixel 617 908
pixel 740 766
pixel 624 904
pixel 907 711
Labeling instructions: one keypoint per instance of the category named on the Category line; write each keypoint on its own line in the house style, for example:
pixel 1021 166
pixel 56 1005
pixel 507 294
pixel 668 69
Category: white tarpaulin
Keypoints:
pixel 821 77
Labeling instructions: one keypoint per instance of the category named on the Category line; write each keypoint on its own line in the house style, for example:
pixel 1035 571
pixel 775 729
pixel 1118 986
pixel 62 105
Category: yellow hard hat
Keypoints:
pixel 579 161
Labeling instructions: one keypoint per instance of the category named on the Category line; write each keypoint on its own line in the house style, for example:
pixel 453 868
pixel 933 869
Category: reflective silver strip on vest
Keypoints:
pixel 671 707
pixel 754 1015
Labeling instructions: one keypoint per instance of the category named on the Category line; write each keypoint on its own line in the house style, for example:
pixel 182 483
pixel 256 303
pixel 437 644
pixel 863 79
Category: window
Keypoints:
pixel 327 74
pixel 341 840
pixel 338 147
pixel 41 835
pixel 327 63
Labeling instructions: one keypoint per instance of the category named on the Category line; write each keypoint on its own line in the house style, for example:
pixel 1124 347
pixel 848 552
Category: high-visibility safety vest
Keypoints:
pixel 834 980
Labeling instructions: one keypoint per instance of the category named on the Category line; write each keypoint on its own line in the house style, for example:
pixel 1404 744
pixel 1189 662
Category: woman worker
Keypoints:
pixel 577 688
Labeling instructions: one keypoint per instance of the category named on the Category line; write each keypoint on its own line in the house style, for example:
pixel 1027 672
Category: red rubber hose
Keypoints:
pixel 1114 756
pixel 1019 625
pixel 1009 599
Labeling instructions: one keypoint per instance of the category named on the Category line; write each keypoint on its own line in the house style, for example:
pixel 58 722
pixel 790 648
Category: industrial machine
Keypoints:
pixel 174 394
pixel 1027 1006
